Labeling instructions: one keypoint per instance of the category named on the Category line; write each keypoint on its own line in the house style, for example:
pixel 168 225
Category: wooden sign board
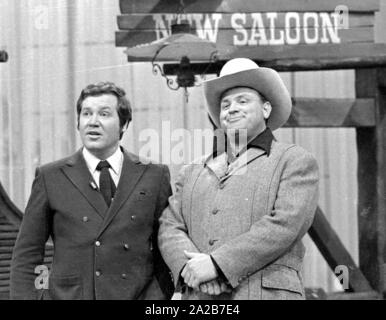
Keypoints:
pixel 250 23
pixel 244 26
pixel 252 29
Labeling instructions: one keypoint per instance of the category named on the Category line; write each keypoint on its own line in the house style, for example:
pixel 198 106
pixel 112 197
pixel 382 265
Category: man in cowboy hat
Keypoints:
pixel 233 228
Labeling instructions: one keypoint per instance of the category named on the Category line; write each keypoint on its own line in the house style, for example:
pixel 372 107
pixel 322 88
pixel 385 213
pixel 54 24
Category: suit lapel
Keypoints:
pixel 132 170
pixel 77 171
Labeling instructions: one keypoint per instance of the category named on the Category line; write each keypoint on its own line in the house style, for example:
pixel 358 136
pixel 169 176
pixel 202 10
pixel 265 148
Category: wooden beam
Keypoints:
pixel 299 58
pixel 323 112
pixel 4 283
pixel 318 57
pixel 5 269
pixel 4 276
pixel 335 253
pixel 7 243
pixel 139 6
pixel 371 144
pixel 208 6
pixel 355 51
pixel 5 256
pixel 381 75
pixel 8 235
pixel 7 228
pixel 7 249
pixel 5 263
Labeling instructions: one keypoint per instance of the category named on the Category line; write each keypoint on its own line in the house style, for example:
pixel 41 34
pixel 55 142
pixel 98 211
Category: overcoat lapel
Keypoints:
pixel 223 171
pixel 132 170
pixel 239 166
pixel 77 171
pixel 218 165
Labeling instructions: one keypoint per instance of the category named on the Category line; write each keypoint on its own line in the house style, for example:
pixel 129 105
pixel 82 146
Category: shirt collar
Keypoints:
pixel 263 141
pixel 115 160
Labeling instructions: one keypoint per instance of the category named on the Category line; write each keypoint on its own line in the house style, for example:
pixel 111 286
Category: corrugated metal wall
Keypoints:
pixel 58 47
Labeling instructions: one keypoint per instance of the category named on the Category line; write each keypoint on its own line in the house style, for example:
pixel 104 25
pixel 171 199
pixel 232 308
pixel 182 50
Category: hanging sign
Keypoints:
pixel 269 26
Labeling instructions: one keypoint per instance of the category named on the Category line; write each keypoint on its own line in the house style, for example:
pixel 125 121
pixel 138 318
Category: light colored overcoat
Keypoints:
pixel 249 216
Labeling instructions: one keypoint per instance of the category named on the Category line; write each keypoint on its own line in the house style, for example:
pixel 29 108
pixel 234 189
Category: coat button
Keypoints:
pixel 211 242
pixel 124 275
pixel 97 273
pixel 126 246
pixel 97 243
pixel 133 217
pixel 215 211
pixel 85 219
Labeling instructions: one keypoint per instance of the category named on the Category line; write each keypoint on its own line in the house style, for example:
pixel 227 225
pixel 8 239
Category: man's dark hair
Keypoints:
pixel 97 89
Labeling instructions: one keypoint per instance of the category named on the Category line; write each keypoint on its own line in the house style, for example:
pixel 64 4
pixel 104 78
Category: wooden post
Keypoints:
pixel 334 252
pixel 371 144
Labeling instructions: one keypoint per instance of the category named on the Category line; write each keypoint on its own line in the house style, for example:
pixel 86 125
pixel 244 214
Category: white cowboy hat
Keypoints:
pixel 243 72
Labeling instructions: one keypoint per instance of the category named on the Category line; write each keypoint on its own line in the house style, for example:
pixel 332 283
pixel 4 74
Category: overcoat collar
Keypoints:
pixel 219 165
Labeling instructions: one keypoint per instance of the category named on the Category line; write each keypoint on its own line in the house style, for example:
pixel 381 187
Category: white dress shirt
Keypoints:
pixel 115 161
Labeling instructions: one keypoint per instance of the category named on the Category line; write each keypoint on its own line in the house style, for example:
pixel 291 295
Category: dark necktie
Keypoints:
pixel 106 183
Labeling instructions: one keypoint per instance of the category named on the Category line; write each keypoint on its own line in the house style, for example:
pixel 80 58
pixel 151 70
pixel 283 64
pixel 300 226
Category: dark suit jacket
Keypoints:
pixel 99 252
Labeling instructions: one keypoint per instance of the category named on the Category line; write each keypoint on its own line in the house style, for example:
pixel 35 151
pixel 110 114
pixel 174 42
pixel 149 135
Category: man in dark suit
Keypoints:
pixel 101 208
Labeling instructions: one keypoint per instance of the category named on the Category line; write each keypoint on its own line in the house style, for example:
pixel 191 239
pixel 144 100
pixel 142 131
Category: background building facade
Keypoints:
pixel 58 47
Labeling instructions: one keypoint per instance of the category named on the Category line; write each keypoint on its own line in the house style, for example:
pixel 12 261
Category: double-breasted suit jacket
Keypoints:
pixel 249 216
pixel 99 252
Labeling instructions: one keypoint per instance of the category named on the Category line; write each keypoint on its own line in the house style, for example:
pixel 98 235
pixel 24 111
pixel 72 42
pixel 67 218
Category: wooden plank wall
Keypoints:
pixel 10 219
pixel 8 234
